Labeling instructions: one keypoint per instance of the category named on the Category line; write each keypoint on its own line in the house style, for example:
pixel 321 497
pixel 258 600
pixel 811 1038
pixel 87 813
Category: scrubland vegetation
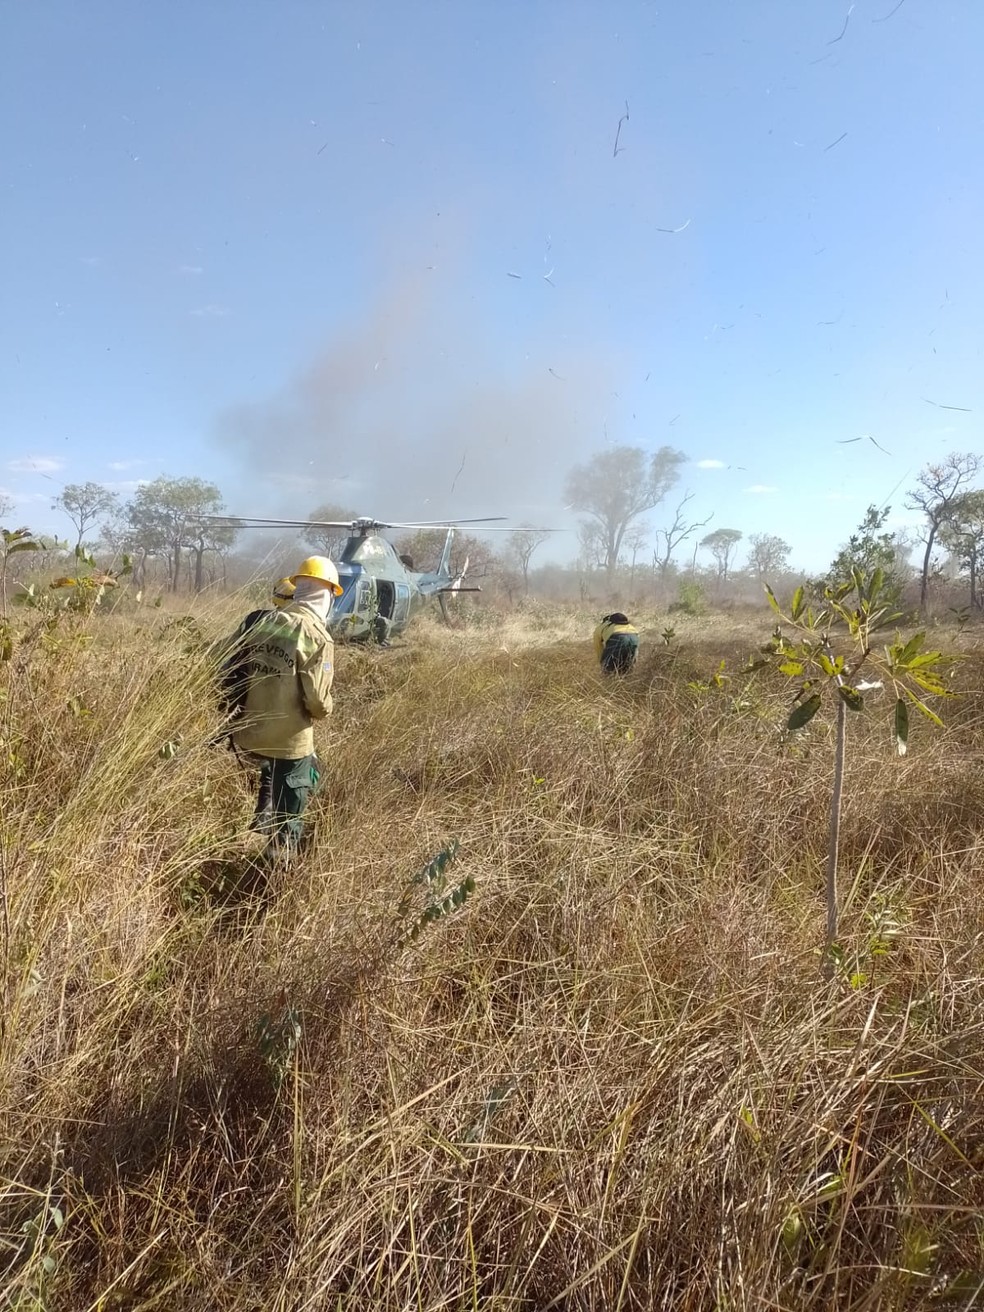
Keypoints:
pixel 611 1076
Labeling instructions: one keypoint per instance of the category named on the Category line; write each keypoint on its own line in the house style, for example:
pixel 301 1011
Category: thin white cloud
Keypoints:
pixel 840 496
pixel 124 464
pixel 28 498
pixel 711 464
pixel 35 465
pixel 126 485
pixel 758 488
pixel 92 260
pixel 190 270
pixel 211 311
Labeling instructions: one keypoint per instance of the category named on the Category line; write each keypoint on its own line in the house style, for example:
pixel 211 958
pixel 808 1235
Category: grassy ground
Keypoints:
pixel 611 1079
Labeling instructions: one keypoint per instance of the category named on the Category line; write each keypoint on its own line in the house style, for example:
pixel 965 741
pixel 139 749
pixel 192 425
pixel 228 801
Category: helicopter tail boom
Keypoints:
pixel 444 564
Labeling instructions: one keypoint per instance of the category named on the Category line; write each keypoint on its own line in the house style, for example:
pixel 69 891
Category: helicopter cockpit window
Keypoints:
pixel 348 578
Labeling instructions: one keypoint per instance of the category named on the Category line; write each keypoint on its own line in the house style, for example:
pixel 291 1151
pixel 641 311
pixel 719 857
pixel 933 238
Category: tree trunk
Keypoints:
pixel 833 837
pixel 199 566
pixel 924 580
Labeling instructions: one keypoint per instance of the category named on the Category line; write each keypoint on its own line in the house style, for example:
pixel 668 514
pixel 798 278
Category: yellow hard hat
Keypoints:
pixel 283 591
pixel 322 569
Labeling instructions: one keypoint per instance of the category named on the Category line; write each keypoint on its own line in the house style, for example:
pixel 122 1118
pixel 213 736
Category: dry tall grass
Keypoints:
pixel 613 1080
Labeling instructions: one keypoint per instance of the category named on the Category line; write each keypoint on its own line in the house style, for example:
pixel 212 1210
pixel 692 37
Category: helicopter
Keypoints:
pixel 381 589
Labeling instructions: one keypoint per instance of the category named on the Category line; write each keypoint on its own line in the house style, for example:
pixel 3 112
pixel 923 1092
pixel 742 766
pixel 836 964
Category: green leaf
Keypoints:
pixel 826 664
pixel 792 668
pixel 901 726
pixel 797 604
pixel 772 600
pixel 876 584
pixel 851 698
pixel 910 649
pixel 927 658
pixel 921 706
pixel 804 713
pixel 930 683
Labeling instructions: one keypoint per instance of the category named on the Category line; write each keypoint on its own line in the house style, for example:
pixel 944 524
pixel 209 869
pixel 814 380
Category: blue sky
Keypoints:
pixel 385 254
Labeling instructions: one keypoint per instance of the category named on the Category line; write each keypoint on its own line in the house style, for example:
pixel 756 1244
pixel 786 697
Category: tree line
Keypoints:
pixel 165 525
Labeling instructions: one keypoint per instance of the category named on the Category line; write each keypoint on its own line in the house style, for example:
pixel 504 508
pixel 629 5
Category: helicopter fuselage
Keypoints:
pixel 380 594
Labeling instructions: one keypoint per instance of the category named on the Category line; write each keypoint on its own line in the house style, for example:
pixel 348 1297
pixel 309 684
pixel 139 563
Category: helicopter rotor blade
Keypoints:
pixel 353 525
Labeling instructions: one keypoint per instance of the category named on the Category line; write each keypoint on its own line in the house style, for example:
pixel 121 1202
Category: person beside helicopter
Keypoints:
pixel 616 643
pixel 282 668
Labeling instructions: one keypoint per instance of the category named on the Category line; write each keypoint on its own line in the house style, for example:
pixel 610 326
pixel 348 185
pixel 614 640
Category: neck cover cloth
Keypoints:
pixel 314 595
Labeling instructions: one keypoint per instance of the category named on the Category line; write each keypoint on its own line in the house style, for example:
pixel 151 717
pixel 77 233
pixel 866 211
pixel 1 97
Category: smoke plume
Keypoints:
pixel 411 414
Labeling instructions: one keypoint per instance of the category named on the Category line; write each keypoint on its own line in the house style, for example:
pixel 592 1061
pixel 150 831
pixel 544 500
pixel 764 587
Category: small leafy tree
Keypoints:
pixel 871 547
pixel 768 556
pixel 85 504
pixel 721 544
pixel 12 542
pixel 851 617
pixel 89 585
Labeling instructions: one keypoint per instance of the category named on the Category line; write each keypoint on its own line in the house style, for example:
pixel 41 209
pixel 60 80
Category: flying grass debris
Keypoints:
pixel 618 130
pixel 890 13
pixel 840 36
pixel 846 441
pixel 962 408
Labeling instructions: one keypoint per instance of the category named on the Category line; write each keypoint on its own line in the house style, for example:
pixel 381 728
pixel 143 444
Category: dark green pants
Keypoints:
pixel 620 652
pixel 285 788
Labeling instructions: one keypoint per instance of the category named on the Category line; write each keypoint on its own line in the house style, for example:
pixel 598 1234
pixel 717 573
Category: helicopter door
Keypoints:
pixel 385 598
pixel 401 610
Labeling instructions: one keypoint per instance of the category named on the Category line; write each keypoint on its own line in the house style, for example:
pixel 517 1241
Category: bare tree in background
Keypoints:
pixel 6 505
pixel 936 489
pixel 636 537
pixel 721 544
pixel 768 557
pixel 618 485
pixel 591 541
pixel 522 545
pixel 329 541
pixel 675 535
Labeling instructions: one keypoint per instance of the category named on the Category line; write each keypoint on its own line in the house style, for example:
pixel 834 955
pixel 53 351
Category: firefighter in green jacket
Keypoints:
pixel 616 643
pixel 288 658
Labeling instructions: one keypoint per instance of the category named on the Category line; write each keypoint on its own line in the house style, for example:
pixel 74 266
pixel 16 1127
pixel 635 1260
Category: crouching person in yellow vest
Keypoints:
pixel 616 643
pixel 288 663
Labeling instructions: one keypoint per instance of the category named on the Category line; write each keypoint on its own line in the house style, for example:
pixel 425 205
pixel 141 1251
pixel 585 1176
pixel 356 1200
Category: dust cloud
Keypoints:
pixel 408 415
